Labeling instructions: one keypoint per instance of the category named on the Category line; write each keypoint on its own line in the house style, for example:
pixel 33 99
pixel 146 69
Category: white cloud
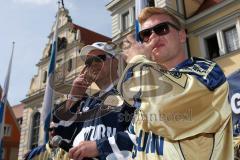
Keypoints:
pixel 36 2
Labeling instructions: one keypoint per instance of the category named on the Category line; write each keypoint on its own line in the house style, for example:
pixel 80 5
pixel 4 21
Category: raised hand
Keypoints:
pixel 136 48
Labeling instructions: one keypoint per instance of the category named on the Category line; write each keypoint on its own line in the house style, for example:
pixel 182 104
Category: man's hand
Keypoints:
pixel 84 149
pixel 136 48
pixel 81 83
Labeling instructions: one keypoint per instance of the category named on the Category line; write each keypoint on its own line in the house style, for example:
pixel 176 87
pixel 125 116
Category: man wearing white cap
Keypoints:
pixel 103 115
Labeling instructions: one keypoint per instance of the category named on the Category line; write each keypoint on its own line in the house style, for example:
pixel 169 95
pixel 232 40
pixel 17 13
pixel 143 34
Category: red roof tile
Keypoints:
pixel 18 110
pixel 89 37
pixel 207 4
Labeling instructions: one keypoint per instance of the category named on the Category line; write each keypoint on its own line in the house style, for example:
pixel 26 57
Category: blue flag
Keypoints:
pixel 48 99
pixel 139 5
pixel 4 100
pixel 234 99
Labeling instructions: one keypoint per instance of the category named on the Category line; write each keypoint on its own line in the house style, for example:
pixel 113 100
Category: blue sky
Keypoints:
pixel 28 23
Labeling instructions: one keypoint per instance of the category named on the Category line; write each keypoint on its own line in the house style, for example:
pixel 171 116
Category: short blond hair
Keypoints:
pixel 149 11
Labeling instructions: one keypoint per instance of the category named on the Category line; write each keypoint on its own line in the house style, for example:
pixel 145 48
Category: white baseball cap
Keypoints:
pixel 104 46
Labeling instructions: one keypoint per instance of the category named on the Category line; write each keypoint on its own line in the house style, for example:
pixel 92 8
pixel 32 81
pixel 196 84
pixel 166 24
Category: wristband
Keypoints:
pixel 72 98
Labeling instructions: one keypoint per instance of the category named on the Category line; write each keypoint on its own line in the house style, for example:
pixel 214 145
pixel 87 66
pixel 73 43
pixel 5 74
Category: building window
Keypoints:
pixel 62 43
pixel 20 121
pixel 219 38
pixel 35 130
pixel 212 46
pixel 7 131
pixel 231 39
pixel 151 3
pixel 49 50
pixel 44 76
pixel 125 21
pixel 69 65
pixel 75 32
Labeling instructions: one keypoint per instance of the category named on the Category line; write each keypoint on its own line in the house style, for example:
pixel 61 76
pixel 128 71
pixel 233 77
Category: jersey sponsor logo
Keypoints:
pixel 94 133
pixel 148 142
pixel 200 69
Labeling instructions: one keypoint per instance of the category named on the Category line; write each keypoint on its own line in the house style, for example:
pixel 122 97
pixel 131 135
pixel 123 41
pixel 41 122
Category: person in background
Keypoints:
pixel 100 117
pixel 49 150
pixel 182 103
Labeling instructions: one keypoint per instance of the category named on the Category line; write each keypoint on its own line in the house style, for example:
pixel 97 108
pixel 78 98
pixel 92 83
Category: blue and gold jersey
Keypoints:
pixel 45 152
pixel 182 113
pixel 101 118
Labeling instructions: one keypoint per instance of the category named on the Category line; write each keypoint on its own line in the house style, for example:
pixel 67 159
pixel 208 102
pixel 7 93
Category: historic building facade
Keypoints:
pixel 11 133
pixel 71 38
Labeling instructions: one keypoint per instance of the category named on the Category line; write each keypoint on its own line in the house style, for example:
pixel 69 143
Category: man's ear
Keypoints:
pixel 182 36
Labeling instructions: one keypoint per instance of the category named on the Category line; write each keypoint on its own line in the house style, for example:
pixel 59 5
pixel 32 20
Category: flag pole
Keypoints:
pixel 3 101
pixel 48 100
pixel 62 3
pixel 139 5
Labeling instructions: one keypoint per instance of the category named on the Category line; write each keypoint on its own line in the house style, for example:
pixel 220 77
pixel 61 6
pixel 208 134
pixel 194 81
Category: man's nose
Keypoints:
pixel 153 35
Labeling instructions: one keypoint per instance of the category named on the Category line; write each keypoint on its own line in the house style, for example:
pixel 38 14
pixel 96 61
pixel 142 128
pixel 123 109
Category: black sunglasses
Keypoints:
pixel 160 29
pixel 98 58
pixel 51 129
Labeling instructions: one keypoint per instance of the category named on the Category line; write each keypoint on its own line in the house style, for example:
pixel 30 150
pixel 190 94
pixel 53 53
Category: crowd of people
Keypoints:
pixel 163 106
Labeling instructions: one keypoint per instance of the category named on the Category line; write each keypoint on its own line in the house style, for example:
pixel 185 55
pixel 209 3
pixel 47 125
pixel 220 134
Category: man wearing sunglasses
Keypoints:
pixel 182 103
pixel 49 150
pixel 99 116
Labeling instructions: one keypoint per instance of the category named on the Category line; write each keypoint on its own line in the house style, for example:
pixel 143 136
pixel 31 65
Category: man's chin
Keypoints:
pixel 52 135
pixel 155 57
